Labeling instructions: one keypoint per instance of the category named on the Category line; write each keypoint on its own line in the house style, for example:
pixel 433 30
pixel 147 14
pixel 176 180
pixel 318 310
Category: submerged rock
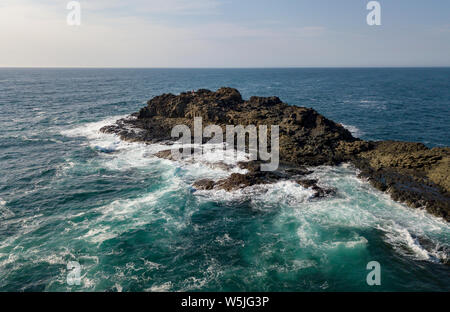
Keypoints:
pixel 204 184
pixel 318 191
pixel 410 172
pixel 254 176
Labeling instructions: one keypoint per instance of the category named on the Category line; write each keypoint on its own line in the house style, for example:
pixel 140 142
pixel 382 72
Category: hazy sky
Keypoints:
pixel 228 33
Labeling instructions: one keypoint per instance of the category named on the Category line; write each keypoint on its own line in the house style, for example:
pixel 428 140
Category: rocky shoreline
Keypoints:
pixel 410 172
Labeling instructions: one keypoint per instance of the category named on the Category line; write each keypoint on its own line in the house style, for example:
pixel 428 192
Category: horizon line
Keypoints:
pixel 225 67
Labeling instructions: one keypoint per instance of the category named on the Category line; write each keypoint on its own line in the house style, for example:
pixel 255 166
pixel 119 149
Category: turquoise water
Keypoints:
pixel 134 223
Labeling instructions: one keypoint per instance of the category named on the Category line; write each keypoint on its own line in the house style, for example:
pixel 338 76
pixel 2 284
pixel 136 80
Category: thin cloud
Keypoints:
pixel 169 7
pixel 36 34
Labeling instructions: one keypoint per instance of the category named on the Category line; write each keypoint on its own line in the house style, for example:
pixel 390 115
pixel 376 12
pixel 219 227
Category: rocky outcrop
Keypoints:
pixel 410 172
pixel 306 137
pixel 255 176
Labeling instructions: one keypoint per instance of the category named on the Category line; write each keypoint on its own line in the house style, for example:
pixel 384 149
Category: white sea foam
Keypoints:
pixel 90 130
pixel 218 153
pixel 358 241
pixel 152 265
pixel 116 154
pixel 99 234
pixel 263 196
pixel 6 259
pixel 53 259
pixel 223 240
pixel 403 242
pixel 373 104
pixel 303 264
pixel 355 131
pixel 160 288
pixel 357 205
pixel 120 155
pixel 5 213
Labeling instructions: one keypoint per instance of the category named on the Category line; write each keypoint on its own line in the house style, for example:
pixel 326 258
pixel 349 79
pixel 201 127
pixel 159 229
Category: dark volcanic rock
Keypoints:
pixel 238 180
pixel 306 137
pixel 318 191
pixel 204 184
pixel 254 176
pixel 410 172
pixel 166 154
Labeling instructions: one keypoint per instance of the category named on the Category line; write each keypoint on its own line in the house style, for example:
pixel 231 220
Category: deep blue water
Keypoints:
pixel 133 223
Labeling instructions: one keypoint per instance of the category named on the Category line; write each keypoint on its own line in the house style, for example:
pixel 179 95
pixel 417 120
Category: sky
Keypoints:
pixel 224 33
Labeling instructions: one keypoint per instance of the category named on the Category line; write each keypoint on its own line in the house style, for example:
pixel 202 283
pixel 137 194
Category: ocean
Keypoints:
pixel 133 222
